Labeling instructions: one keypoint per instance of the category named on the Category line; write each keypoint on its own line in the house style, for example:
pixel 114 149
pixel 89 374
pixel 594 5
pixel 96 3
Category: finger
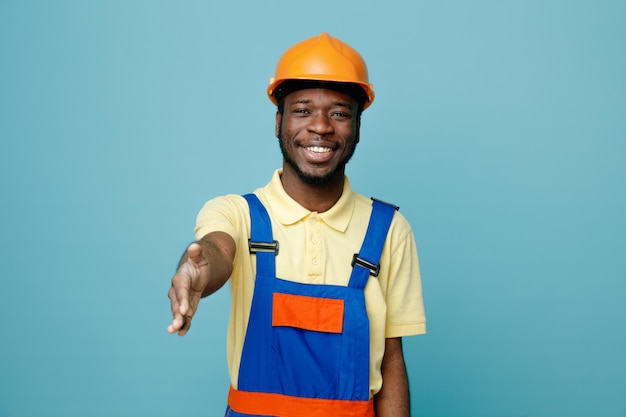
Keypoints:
pixel 179 303
pixel 176 323
pixel 186 325
pixel 183 301
pixel 180 325
pixel 178 294
pixel 174 304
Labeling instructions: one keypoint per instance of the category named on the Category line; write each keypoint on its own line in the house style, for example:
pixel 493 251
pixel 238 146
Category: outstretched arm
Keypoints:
pixel 393 399
pixel 203 269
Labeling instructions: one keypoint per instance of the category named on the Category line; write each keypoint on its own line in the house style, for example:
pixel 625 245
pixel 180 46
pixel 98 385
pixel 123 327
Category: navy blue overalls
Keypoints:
pixel 306 350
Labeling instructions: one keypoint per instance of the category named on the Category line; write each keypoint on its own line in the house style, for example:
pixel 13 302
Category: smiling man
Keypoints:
pixel 324 282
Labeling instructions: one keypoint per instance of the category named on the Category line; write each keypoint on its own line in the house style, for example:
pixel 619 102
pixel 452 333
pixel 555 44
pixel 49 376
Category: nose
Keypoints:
pixel 320 124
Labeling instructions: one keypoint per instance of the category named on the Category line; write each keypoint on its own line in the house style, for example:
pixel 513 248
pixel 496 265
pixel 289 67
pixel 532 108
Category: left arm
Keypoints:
pixel 393 399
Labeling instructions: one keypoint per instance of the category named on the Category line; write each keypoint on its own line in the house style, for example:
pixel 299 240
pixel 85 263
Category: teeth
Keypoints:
pixel 318 149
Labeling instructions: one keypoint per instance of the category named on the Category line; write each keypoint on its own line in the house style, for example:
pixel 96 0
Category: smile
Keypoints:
pixel 318 149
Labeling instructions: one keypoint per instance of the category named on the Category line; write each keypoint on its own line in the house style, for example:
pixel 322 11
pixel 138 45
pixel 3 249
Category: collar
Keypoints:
pixel 288 211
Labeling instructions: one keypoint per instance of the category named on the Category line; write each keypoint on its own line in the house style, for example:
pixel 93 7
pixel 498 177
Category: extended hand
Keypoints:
pixel 188 285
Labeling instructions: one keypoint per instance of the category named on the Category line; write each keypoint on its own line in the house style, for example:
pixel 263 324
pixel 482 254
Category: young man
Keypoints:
pixel 324 282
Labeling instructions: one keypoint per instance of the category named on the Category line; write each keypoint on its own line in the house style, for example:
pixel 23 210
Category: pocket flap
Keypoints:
pixel 309 313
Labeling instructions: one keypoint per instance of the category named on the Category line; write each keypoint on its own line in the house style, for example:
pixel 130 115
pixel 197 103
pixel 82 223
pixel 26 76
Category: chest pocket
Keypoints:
pixel 307 341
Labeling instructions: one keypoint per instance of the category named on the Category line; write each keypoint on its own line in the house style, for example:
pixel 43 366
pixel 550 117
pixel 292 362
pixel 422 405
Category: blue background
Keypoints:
pixel 499 127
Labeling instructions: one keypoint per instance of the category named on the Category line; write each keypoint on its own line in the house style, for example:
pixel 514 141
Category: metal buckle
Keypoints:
pixel 255 247
pixel 374 269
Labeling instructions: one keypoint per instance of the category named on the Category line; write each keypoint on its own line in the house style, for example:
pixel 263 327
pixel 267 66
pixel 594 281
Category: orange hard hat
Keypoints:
pixel 322 58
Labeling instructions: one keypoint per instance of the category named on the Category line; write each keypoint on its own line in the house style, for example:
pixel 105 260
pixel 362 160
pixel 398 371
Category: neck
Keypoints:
pixel 319 198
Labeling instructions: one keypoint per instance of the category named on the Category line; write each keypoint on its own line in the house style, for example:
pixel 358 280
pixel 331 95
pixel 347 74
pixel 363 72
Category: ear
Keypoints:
pixel 279 118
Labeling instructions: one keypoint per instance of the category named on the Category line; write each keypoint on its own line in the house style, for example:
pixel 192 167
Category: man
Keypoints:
pixel 324 282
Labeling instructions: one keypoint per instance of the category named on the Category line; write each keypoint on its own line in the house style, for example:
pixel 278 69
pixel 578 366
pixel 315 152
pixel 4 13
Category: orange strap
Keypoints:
pixel 278 405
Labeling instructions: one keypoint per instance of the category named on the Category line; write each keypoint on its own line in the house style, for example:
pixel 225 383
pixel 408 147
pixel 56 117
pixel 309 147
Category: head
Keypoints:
pixel 328 72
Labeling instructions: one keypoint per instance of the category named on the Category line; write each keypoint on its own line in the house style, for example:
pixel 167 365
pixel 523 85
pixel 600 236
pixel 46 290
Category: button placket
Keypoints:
pixel 314 248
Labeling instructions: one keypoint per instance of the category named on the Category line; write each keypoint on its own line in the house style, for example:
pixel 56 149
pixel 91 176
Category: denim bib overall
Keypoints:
pixel 306 350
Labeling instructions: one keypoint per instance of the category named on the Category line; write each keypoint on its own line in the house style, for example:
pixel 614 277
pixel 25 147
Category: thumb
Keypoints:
pixel 194 253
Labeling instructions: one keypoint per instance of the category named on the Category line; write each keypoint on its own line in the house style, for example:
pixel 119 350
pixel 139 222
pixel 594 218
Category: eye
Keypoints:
pixel 342 115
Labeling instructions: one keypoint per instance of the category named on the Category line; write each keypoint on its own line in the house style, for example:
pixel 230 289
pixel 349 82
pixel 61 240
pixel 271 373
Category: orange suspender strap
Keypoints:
pixel 266 404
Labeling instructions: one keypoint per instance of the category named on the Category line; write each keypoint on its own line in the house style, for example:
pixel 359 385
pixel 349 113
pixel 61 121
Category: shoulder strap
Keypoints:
pixel 261 242
pixel 366 262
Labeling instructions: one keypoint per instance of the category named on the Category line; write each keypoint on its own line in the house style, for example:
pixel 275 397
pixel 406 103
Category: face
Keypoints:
pixel 318 133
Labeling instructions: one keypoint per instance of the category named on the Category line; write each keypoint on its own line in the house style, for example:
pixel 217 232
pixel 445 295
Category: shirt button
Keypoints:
pixel 316 261
pixel 312 221
pixel 315 241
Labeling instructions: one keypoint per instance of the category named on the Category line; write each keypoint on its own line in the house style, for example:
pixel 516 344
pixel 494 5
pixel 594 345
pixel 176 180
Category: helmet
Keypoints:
pixel 322 58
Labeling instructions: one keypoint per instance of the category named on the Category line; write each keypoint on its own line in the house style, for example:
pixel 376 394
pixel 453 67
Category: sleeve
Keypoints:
pixel 222 214
pixel 403 286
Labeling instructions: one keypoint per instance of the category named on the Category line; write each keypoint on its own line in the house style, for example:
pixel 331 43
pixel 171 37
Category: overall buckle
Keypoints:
pixel 374 269
pixel 255 247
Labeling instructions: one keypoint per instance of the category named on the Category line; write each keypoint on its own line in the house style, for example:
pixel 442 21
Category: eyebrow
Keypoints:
pixel 342 104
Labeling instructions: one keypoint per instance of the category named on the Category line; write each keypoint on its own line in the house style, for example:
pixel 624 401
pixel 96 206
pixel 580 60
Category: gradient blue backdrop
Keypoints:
pixel 499 127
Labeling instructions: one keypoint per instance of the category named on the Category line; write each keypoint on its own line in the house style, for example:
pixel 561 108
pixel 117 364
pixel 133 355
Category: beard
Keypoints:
pixel 316 180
